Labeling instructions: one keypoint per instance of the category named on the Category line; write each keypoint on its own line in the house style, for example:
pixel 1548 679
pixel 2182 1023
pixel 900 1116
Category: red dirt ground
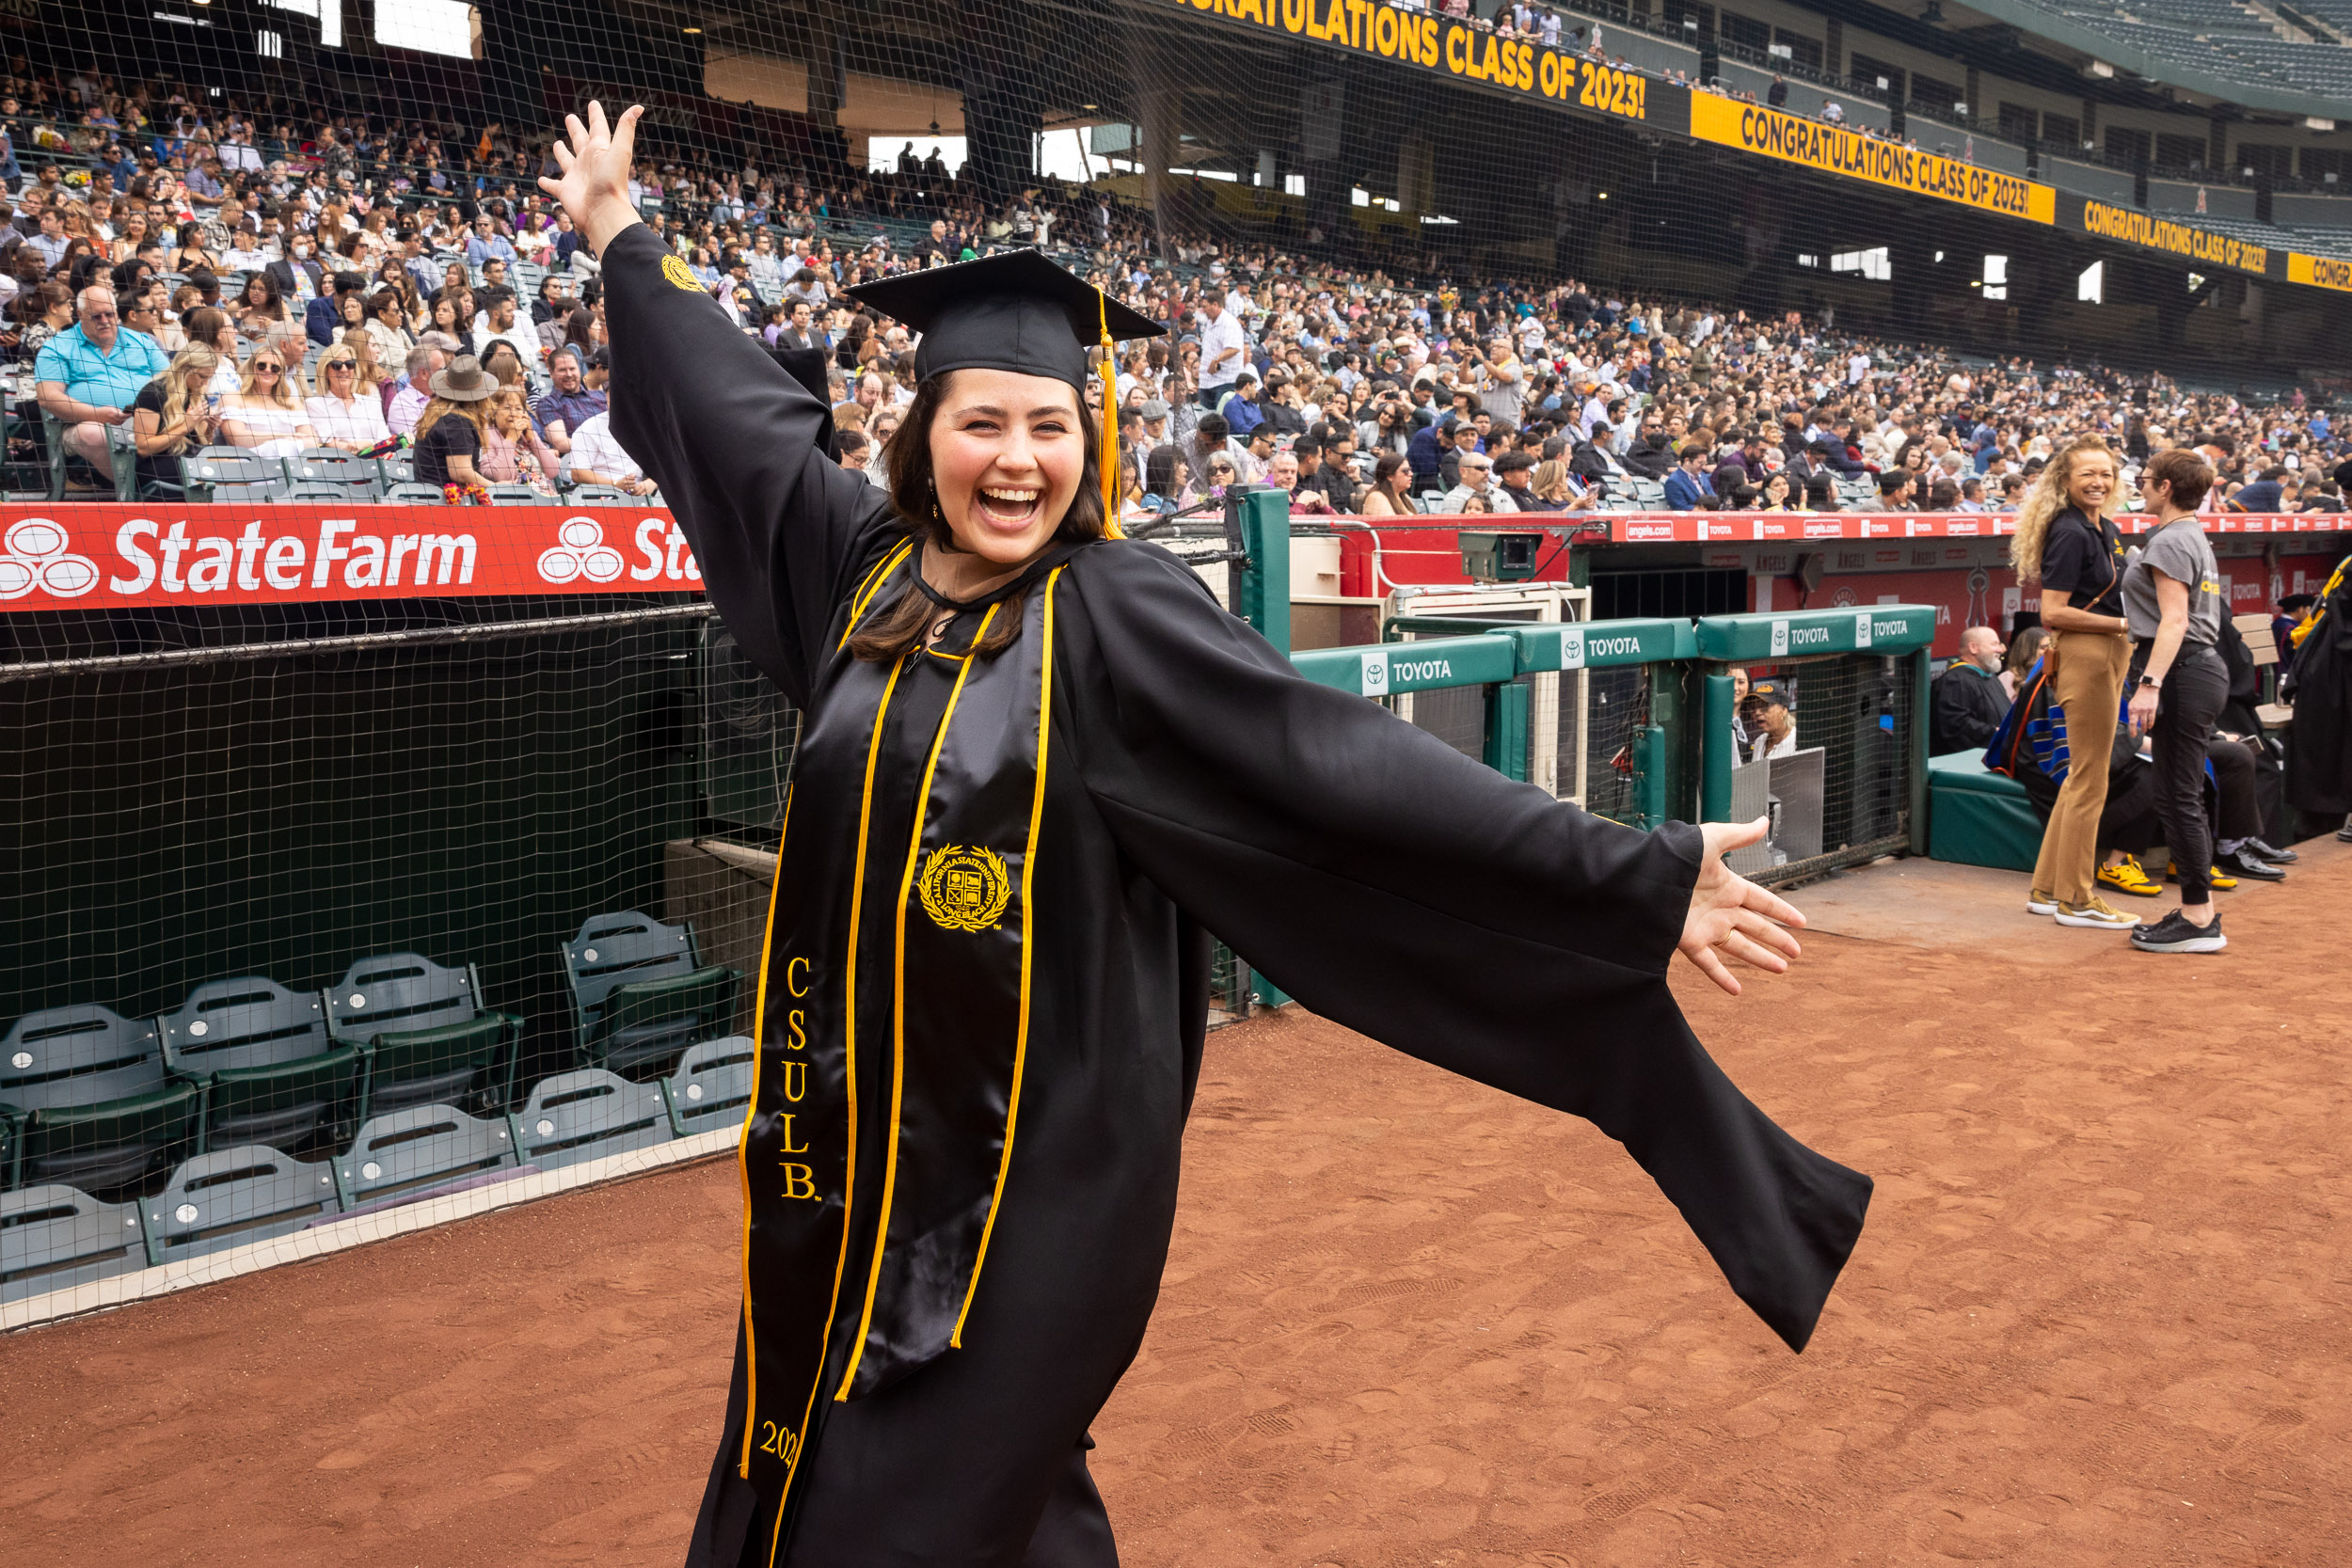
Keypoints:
pixel 2098 1318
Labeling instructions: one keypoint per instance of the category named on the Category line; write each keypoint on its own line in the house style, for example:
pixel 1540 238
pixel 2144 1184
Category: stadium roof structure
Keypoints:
pixel 2215 47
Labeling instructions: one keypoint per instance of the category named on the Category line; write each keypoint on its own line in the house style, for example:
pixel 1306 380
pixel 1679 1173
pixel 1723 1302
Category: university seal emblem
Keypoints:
pixel 965 888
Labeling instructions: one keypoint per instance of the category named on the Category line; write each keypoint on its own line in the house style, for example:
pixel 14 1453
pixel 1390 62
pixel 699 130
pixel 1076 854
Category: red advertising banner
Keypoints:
pixel 95 557
pixel 1641 528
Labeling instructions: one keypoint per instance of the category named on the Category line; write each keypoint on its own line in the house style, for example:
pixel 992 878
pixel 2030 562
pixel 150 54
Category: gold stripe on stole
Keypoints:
pixel 871 586
pixel 1020 1035
pixel 849 1181
pixel 898 1011
pixel 743 1142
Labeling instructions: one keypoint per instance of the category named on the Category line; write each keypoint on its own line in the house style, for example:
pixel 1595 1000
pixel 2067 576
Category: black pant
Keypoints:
pixel 2194 692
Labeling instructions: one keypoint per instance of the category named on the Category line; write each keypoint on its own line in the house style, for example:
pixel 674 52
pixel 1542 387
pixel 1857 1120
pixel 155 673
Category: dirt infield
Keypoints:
pixel 2099 1316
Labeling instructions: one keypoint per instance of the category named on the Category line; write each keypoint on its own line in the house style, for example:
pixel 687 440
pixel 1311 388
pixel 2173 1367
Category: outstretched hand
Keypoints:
pixel 1731 916
pixel 595 158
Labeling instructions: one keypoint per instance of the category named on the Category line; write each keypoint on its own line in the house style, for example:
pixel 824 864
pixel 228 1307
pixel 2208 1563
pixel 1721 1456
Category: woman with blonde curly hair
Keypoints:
pixel 2066 538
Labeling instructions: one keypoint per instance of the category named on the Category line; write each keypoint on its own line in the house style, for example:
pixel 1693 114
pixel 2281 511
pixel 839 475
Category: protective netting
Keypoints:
pixel 306 914
pixel 1833 771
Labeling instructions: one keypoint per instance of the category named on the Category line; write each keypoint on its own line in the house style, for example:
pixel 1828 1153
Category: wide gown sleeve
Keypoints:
pixel 1391 883
pixel 778 527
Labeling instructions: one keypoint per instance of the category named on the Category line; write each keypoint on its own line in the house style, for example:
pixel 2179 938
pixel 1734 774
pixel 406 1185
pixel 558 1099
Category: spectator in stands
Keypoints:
pixel 324 317
pixel 1223 351
pixel 1477 478
pixel 297 277
pixel 1391 491
pixel 512 452
pixel 46 310
pixel 174 416
pixel 2066 539
pixel 598 457
pixel 452 316
pixel 1689 487
pixel 426 360
pixel 345 414
pixel 387 326
pixel 486 243
pixel 264 414
pixel 800 331
pixel 1969 699
pixel 86 376
pixel 569 403
pixel 261 309
pixel 450 429
pixel 499 321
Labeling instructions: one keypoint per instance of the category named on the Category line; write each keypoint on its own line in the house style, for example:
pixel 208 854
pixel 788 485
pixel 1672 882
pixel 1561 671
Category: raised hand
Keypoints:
pixel 595 158
pixel 1731 916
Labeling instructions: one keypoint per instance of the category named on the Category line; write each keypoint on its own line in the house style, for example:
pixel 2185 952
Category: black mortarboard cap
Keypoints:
pixel 1015 311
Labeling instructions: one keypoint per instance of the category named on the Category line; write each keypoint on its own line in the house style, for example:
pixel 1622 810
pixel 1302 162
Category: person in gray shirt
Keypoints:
pixel 2172 602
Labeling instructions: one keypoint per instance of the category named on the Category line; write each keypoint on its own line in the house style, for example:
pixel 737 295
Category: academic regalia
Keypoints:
pixel 1137 770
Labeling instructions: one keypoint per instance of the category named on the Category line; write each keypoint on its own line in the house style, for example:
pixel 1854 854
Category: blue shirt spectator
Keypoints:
pixel 101 375
pixel 485 243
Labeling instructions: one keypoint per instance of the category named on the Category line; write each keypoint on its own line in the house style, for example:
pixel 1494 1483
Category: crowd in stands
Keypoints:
pixel 179 276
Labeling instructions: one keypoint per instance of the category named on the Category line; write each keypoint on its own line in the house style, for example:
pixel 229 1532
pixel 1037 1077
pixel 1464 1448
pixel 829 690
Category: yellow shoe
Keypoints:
pixel 2128 877
pixel 2214 878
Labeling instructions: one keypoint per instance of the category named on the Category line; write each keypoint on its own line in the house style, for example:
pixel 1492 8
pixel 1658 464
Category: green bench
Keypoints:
pixel 1977 817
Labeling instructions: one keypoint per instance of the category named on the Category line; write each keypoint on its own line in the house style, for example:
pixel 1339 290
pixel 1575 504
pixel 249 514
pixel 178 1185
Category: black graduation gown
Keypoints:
pixel 1198 784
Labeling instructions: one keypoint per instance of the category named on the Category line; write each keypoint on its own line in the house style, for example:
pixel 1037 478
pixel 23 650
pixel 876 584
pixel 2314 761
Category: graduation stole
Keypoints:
pixel 946 1004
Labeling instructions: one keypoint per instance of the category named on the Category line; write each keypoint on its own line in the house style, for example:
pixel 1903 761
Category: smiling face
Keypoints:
pixel 2089 480
pixel 1008 453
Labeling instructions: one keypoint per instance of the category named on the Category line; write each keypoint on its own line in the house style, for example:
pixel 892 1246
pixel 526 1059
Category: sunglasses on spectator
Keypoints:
pixel 260 365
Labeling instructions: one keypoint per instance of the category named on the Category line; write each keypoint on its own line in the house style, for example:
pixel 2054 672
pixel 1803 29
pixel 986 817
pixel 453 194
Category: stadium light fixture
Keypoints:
pixel 2313 122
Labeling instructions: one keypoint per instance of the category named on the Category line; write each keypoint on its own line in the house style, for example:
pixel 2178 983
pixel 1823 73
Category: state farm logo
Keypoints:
pixel 34 554
pixel 580 552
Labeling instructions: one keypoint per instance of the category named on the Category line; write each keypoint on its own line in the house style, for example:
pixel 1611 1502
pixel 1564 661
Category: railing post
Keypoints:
pixel 1507 712
pixel 1715 748
pixel 1918 750
pixel 1261 584
pixel 1649 773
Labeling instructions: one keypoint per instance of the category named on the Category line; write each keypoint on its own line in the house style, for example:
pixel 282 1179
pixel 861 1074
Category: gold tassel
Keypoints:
pixel 1111 426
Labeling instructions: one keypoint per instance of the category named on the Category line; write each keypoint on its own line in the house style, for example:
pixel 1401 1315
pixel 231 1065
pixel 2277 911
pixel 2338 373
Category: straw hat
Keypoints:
pixel 465 381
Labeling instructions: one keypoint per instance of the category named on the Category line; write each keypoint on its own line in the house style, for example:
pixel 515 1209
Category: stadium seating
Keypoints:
pixel 232 474
pixel 517 495
pixel 413 492
pixel 642 992
pixel 88 1100
pixel 269 1071
pixel 712 1085
pixel 125 462
pixel 599 495
pixel 53 1236
pixel 234 1196
pixel 357 478
pixel 586 1115
pixel 427 1034
pixel 424 1149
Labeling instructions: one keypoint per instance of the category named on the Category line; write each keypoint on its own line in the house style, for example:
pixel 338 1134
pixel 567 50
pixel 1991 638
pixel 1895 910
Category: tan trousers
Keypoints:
pixel 2087 681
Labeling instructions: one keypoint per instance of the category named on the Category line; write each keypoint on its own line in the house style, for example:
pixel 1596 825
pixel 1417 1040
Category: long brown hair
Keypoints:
pixel 891 634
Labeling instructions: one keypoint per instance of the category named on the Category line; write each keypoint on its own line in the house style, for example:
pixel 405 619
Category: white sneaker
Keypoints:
pixel 2097 913
pixel 2039 902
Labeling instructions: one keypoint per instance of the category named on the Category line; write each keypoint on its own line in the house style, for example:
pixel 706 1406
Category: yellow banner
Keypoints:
pixel 1836 150
pixel 2173 238
pixel 2320 271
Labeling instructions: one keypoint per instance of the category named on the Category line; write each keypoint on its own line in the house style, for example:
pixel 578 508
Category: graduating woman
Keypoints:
pixel 1038 765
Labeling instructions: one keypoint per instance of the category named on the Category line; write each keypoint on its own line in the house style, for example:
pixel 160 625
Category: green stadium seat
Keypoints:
pixel 88 1100
pixel 414 493
pixel 353 478
pixel 232 474
pixel 712 1085
pixel 269 1071
pixel 123 460
pixel 642 992
pixel 428 1036
pixel 424 1149
pixel 234 1196
pixel 586 1115
pixel 517 495
pixel 53 1238
pixel 1980 818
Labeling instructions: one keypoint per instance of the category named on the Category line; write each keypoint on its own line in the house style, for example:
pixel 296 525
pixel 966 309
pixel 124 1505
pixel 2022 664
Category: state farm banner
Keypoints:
pixel 90 557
